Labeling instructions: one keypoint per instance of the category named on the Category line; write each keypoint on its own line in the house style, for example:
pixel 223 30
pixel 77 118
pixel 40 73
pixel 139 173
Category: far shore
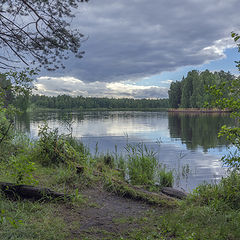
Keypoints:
pixel 199 110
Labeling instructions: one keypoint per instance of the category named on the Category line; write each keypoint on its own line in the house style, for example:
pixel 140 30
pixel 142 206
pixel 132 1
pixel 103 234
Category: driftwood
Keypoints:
pixel 172 192
pixel 30 192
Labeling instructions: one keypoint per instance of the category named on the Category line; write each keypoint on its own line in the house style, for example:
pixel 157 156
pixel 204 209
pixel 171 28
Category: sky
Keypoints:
pixel 136 48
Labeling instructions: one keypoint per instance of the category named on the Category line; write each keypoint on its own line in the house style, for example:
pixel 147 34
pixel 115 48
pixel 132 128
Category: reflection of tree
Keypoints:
pixel 22 122
pixel 198 129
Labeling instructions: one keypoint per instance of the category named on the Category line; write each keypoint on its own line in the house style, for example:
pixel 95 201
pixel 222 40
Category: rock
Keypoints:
pixel 172 192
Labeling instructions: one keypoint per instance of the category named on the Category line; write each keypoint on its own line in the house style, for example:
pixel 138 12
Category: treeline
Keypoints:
pixel 191 91
pixel 81 103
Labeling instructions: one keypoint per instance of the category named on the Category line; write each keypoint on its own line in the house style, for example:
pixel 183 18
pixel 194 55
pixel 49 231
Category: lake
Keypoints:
pixel 187 144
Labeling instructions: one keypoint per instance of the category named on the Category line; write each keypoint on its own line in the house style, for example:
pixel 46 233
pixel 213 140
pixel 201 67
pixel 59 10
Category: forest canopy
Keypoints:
pixel 80 103
pixel 192 90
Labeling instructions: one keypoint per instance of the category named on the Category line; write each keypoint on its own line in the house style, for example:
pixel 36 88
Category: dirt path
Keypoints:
pixel 106 216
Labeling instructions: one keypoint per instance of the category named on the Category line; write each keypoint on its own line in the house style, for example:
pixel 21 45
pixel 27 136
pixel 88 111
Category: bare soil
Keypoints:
pixel 105 216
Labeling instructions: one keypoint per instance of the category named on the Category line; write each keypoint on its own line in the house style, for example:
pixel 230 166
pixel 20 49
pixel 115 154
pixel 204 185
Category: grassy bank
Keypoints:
pixel 60 163
pixel 111 197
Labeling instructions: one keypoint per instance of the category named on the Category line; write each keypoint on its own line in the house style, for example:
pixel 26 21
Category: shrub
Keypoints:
pixel 21 169
pixel 220 196
pixel 54 148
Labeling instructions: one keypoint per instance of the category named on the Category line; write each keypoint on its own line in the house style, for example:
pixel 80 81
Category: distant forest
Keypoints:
pixel 81 103
pixel 191 91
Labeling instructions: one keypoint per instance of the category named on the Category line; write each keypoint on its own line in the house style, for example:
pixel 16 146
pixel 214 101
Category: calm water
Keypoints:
pixel 185 143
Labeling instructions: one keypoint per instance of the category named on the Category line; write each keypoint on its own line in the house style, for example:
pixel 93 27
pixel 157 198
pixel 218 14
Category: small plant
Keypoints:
pixel 77 197
pixel 165 178
pixel 121 166
pixel 109 161
pixel 21 169
pixel 6 219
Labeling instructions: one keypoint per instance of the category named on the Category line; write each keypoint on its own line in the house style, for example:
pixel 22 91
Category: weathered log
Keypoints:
pixel 30 192
pixel 172 192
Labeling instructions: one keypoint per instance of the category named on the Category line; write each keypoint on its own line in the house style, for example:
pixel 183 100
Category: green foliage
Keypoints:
pixel 12 84
pixel 236 38
pixel 211 211
pixel 16 160
pixel 230 101
pixel 4 219
pixel 222 196
pixel 81 103
pixel 165 178
pixel 175 93
pixel 54 148
pixel 143 168
pixel 141 164
pixel 28 220
pixel 191 91
pixel 6 132
pixel 200 222
pixel 21 169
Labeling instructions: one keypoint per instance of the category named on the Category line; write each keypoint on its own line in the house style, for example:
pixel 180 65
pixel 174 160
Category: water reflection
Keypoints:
pixel 189 142
pixel 196 130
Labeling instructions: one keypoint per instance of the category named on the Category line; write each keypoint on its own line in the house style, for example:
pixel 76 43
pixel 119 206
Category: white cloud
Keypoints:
pixel 73 86
pixel 217 49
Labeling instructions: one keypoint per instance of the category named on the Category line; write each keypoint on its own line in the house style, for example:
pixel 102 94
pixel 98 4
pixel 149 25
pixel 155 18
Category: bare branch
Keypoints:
pixel 38 31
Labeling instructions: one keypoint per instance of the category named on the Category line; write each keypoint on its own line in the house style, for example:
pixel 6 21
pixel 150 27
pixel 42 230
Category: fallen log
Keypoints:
pixel 30 192
pixel 127 190
pixel 172 192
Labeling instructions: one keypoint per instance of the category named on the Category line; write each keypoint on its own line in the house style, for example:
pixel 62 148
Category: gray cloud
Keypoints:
pixel 75 87
pixel 139 38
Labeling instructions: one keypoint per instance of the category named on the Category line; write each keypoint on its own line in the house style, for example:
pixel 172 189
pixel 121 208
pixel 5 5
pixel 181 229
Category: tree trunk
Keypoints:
pixel 30 192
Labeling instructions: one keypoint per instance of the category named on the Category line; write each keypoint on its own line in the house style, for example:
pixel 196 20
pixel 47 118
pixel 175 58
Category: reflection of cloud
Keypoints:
pixel 109 130
pixel 74 86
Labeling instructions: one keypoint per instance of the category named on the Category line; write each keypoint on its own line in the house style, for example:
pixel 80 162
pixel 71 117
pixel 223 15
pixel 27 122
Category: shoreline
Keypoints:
pixel 199 110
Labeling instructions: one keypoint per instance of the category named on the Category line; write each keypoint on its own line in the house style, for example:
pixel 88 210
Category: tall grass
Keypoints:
pixel 141 163
pixel 143 167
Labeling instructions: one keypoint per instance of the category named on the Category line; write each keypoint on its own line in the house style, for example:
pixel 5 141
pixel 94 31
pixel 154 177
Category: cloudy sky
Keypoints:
pixel 135 48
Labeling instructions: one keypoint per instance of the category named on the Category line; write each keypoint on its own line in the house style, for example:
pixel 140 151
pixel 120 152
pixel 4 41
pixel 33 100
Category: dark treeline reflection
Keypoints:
pixel 198 129
pixel 194 130
pixel 23 121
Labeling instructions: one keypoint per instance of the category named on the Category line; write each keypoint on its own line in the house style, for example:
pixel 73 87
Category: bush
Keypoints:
pixel 54 148
pixel 225 195
pixel 21 169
